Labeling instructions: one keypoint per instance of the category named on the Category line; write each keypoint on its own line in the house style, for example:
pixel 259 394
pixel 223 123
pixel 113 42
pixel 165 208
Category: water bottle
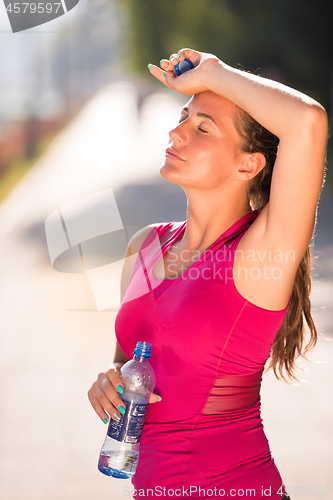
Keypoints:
pixel 120 451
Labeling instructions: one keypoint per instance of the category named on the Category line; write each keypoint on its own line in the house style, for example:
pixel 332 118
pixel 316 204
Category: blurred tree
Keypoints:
pixel 290 41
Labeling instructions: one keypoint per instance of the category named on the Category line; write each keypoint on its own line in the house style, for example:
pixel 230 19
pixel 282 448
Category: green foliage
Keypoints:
pixel 288 40
pixel 159 28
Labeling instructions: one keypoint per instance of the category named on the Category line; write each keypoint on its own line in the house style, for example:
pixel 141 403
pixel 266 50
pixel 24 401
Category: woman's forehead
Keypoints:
pixel 212 104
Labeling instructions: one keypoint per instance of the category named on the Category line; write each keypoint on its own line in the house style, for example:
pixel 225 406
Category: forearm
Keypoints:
pixel 277 107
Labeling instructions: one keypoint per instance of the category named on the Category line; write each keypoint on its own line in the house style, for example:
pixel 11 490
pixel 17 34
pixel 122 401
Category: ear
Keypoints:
pixel 251 165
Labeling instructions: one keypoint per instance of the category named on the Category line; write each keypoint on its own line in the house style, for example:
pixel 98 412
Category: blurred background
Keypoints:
pixel 79 113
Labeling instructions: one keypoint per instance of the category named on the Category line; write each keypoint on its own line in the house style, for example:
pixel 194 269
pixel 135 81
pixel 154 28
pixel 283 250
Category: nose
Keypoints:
pixel 177 134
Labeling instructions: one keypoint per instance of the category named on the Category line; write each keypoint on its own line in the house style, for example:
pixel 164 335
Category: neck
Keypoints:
pixel 209 215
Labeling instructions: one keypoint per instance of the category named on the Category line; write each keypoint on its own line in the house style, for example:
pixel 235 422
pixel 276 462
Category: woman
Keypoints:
pixel 219 314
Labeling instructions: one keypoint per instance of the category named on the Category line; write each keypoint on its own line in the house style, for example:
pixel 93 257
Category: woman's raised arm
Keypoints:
pixel 297 120
pixel 300 123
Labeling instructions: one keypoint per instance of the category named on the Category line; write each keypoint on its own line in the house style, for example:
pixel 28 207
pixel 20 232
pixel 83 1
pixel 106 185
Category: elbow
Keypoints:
pixel 315 119
pixel 312 124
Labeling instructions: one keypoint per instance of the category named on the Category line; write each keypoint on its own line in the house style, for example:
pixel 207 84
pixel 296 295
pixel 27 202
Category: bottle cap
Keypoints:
pixel 183 66
pixel 143 349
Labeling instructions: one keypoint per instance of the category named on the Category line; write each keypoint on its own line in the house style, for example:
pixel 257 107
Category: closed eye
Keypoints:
pixel 199 128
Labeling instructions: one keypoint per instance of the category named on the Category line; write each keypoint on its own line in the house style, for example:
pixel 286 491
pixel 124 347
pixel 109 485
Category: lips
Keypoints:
pixel 172 154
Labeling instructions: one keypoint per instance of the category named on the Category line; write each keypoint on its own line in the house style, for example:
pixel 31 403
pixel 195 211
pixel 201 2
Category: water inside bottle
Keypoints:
pixel 121 466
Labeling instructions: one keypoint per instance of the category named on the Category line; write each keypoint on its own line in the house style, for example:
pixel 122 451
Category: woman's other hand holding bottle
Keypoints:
pixel 104 394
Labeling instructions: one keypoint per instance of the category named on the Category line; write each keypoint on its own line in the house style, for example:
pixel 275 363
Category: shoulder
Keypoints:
pixel 138 239
pixel 134 245
pixel 264 269
pixel 164 230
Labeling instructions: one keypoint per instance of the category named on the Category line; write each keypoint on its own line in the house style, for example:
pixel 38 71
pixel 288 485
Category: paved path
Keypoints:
pixel 53 342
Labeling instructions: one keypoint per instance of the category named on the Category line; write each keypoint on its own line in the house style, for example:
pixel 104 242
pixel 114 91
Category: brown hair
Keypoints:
pixel 289 341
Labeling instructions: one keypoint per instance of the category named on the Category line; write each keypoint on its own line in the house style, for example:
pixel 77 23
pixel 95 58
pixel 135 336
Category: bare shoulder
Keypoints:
pixel 133 248
pixel 265 268
pixel 137 240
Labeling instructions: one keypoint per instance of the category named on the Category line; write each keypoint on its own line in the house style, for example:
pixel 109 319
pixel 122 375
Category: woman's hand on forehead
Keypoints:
pixel 191 82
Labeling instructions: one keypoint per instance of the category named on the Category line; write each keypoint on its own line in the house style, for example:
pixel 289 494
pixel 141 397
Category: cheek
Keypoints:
pixel 221 164
pixel 205 151
pixel 213 158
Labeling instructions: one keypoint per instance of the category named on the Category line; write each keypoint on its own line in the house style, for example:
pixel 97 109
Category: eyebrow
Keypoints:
pixel 203 115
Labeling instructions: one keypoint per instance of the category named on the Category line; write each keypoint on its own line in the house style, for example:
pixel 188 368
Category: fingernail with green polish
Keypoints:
pixel 120 389
pixel 178 57
pixel 149 65
pixel 164 73
pixel 159 398
pixel 161 61
pixel 121 409
pixel 105 420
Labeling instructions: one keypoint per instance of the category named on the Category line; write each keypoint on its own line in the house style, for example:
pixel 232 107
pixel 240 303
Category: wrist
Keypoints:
pixel 217 76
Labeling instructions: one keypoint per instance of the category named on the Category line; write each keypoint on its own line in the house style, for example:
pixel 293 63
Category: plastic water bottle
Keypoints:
pixel 120 452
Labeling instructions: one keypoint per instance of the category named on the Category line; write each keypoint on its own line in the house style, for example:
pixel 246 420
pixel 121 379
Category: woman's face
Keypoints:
pixel 203 149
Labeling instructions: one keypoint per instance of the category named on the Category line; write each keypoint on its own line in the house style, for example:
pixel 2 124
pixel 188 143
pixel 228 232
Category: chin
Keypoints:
pixel 169 173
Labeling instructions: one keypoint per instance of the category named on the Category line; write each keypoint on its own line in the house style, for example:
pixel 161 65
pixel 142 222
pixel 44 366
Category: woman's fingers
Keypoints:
pixel 192 55
pixel 190 82
pixel 113 374
pixel 108 393
pixel 98 408
pixel 104 397
pixel 102 404
pixel 174 59
pixel 169 64
pixel 159 73
pixel 154 398
pixel 166 65
pixel 167 75
pixel 111 402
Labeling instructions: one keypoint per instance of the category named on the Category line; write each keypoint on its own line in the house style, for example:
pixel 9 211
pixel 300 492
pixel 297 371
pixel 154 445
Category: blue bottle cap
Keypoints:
pixel 143 350
pixel 183 66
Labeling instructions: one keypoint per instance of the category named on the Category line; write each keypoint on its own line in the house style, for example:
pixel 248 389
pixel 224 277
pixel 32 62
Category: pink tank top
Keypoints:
pixel 210 346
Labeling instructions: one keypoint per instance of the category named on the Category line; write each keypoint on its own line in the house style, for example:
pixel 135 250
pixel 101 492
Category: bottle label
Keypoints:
pixel 129 428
